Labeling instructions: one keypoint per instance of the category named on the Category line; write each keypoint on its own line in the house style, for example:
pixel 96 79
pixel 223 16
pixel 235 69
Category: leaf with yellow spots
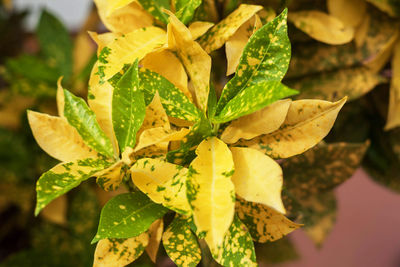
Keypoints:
pixel 155 234
pixel 127 48
pixel 220 33
pixel 196 61
pixel 393 118
pixel 181 244
pixel 185 9
pixel 198 28
pixel 127 215
pixel 156 8
pixel 64 177
pixel 163 182
pixel 159 135
pixel 265 58
pixel 264 121
pixel 306 124
pixel 322 27
pixel 210 190
pixel 128 108
pixel 257 178
pixel 119 252
pixel 83 119
pixel 175 103
pixel 124 20
pixel 350 12
pixel 58 138
pixel 264 223
pixel 252 99
pixel 237 248
pixel 109 179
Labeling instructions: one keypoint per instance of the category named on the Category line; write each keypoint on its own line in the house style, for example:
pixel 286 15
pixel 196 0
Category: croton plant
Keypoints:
pixel 180 144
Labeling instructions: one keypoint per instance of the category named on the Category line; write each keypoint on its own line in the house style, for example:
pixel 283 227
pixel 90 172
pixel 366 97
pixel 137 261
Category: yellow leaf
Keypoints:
pixel 103 39
pixel 211 192
pixel 154 136
pixel 257 177
pixel 155 115
pixel 56 211
pixel 82 53
pixel 306 124
pixel 350 12
pixel 196 61
pixel 322 27
pixel 169 66
pixel 57 138
pixel 127 48
pixel 113 5
pixel 220 33
pixel 123 20
pixel 362 30
pixel 163 182
pixel 235 45
pixel 119 252
pixel 198 28
pixel 60 98
pixel 260 122
pixel 393 119
pixel 155 234
pixel 109 179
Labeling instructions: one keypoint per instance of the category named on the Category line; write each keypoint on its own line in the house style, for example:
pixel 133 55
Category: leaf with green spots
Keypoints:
pixel 253 98
pixel 322 168
pixel 128 108
pixel 175 103
pixel 63 177
pixel 237 248
pixel 127 215
pixel 83 119
pixel 181 244
pixel 155 8
pixel 264 223
pixel 55 43
pixel 265 58
pixel 185 9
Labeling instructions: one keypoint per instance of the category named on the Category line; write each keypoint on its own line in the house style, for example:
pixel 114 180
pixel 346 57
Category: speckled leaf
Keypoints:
pixel 264 223
pixel 127 48
pixel 210 190
pixel 128 108
pixel 350 12
pixel 83 119
pixel 163 182
pixel 257 177
pixel 306 124
pixel 264 121
pixel 332 86
pixel 265 58
pixel 196 61
pixel 155 115
pixel 127 215
pixel 322 168
pixel 119 252
pixel 252 99
pixel 63 177
pixel 155 8
pixel 175 103
pixel 57 138
pixel 185 9
pixel 159 135
pixel 198 28
pixel 393 118
pixel 155 234
pixel 109 179
pixel 237 248
pixel 220 33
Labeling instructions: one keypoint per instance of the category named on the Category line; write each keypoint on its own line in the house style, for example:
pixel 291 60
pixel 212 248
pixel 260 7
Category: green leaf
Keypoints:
pixel 185 9
pixel 128 108
pixel 55 43
pixel 83 119
pixel 181 244
pixel 63 177
pixel 175 103
pixel 155 8
pixel 265 58
pixel 212 102
pixel 127 215
pixel 252 99
pixel 237 248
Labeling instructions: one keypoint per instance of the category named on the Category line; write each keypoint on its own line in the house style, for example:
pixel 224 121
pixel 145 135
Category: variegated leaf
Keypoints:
pixel 163 182
pixel 156 8
pixel 155 234
pixel 159 135
pixel 109 179
pixel 210 190
pixel 306 124
pixel 181 244
pixel 127 215
pixel 63 177
pixel 83 119
pixel 103 39
pixel 264 223
pixel 198 28
pixel 185 9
